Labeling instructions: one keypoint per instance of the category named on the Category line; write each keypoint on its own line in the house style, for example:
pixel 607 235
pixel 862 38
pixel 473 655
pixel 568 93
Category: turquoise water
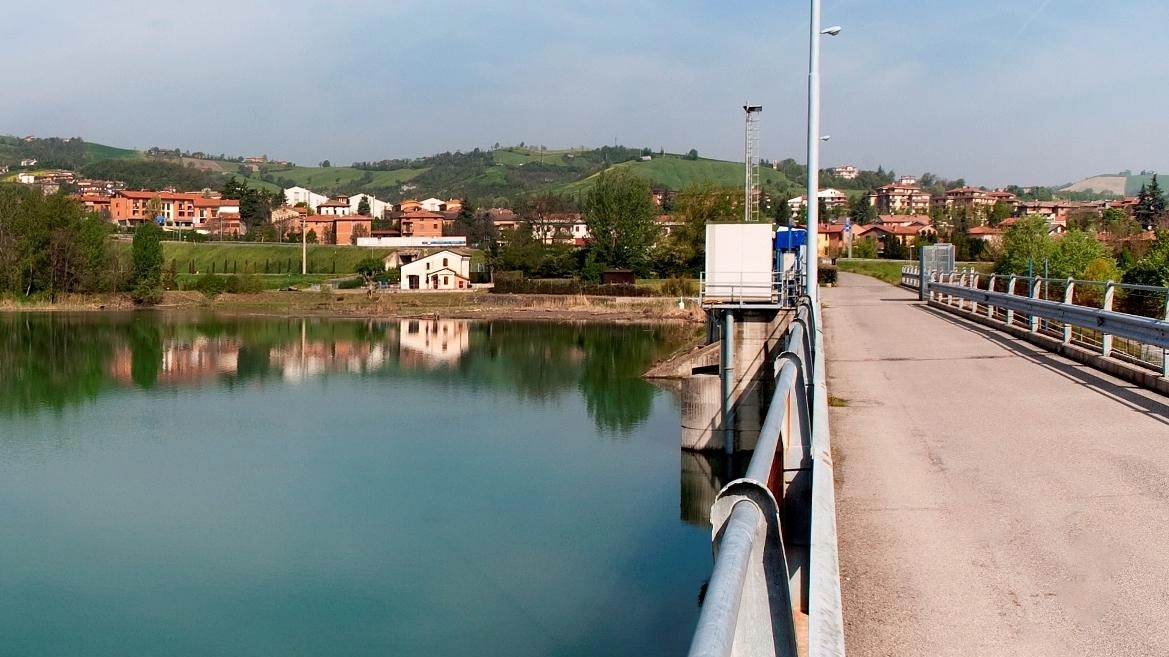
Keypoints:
pixel 276 487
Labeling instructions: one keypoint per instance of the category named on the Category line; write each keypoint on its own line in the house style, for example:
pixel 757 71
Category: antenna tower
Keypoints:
pixel 751 191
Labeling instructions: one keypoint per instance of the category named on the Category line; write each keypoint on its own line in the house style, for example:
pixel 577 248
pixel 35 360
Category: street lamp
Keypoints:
pixel 813 255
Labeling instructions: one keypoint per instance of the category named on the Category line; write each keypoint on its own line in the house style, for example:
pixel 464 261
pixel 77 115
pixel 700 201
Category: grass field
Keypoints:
pixel 102 152
pixel 676 173
pixel 248 257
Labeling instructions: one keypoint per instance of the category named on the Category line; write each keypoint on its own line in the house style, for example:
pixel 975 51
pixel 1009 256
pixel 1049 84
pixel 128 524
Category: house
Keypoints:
pixel 907 180
pixel 833 198
pixel 338 206
pixel 899 198
pixel 294 195
pixel 907 235
pixel 409 205
pixel 970 198
pixel 454 205
pixel 433 205
pixel 989 235
pixel 447 269
pixel 338 229
pixel 28 162
pixel 846 171
pixel 377 207
pixel 503 219
pixel 569 227
pixel 421 224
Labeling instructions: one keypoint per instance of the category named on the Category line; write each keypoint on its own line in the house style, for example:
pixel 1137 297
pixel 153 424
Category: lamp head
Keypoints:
pixel 831 31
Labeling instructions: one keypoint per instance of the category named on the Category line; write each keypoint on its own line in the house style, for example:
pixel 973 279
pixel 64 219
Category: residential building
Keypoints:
pixel 294 195
pixel 338 229
pixel 337 206
pixel 421 224
pixel 907 180
pixel 907 235
pixel 989 235
pixel 897 198
pixel 971 198
pixel 433 205
pixel 377 207
pixel 409 205
pixel 846 171
pixel 448 269
pixel 833 198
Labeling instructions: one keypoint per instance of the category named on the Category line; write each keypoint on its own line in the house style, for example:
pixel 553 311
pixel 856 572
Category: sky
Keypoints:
pixel 994 91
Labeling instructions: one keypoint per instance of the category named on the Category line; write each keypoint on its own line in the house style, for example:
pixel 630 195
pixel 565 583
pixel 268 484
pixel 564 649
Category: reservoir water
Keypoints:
pixel 274 487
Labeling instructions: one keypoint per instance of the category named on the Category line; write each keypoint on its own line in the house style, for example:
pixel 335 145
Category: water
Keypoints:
pixel 206 486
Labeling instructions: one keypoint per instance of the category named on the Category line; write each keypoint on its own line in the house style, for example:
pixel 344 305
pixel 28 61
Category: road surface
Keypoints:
pixel 993 498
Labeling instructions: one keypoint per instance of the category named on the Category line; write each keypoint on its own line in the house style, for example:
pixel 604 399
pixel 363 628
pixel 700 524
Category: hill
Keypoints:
pixel 1124 183
pixel 484 176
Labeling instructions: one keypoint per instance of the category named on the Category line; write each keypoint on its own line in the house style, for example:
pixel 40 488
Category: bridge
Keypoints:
pixel 978 493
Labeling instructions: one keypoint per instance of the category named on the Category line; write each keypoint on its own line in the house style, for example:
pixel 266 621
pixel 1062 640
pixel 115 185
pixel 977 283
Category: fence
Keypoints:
pixel 774 530
pixel 1129 323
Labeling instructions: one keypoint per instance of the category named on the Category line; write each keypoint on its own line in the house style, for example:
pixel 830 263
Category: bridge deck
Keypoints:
pixel 993 499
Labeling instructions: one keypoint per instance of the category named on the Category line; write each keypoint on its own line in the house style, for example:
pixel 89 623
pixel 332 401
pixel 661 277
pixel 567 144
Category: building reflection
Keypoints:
pixel 176 361
pixel 433 342
pixel 306 358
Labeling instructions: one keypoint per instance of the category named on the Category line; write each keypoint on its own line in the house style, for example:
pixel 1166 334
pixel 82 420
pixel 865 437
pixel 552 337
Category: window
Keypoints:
pixel 444 262
pixel 446 280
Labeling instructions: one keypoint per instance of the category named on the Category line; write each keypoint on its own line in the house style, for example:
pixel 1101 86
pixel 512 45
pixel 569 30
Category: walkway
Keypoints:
pixel 993 499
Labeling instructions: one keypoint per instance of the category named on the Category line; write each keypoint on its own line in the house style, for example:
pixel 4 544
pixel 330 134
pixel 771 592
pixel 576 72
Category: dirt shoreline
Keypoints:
pixel 401 305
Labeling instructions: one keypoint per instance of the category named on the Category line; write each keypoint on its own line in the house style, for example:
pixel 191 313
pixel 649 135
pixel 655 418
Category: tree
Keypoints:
pixel 1025 243
pixel 692 154
pixel 865 247
pixel 619 211
pixel 146 256
pixel 1072 255
pixel 325 164
pixel 860 211
pixel 695 207
pixel 1150 205
pixel 358 231
pixel 363 206
pixel 998 213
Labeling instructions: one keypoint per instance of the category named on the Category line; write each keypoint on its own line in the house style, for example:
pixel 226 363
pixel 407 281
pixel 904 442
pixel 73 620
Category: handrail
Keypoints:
pixel 751 613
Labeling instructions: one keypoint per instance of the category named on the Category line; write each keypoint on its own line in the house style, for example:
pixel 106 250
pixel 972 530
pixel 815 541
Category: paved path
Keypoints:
pixel 994 499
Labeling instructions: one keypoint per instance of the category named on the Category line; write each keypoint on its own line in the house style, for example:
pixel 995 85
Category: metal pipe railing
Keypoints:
pixel 749 606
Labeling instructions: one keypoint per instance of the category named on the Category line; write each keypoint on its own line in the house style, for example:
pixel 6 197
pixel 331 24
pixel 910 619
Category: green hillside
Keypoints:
pixel 1132 186
pixel 97 152
pixel 676 173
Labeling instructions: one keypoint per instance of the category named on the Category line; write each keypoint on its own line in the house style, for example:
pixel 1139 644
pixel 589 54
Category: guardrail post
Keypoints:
pixel 922 276
pixel 1032 320
pixel 1011 291
pixel 964 281
pixel 990 287
pixel 1105 337
pixel 1067 298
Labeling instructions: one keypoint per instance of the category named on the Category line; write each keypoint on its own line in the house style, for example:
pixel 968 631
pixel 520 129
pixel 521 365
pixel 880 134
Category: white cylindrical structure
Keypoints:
pixel 813 255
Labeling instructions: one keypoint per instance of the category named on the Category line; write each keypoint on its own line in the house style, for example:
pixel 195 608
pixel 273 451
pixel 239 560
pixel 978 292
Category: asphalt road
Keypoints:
pixel 993 498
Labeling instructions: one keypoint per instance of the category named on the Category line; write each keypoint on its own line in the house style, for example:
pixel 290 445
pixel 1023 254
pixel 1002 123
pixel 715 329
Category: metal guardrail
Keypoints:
pixel 743 289
pixel 774 530
pixel 1073 311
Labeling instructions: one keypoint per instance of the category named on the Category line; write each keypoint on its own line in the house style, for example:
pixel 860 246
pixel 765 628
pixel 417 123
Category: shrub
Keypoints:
pixel 827 275
pixel 243 284
pixel 210 285
pixel 677 286
pixel 351 283
pixel 147 294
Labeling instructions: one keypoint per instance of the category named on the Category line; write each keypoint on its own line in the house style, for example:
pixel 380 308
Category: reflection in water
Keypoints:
pixel 427 342
pixel 703 475
pixel 54 360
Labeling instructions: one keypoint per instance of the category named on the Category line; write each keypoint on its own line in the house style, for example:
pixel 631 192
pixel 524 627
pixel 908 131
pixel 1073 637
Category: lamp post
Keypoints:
pixel 813 255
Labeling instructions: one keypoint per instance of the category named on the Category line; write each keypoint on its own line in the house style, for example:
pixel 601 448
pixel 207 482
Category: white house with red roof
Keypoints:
pixel 448 269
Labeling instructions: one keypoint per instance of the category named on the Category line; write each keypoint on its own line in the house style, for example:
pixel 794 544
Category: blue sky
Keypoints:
pixel 1024 91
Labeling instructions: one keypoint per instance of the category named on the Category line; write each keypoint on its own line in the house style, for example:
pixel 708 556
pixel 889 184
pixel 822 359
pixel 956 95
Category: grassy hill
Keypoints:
pixel 1124 183
pixel 241 257
pixel 482 176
